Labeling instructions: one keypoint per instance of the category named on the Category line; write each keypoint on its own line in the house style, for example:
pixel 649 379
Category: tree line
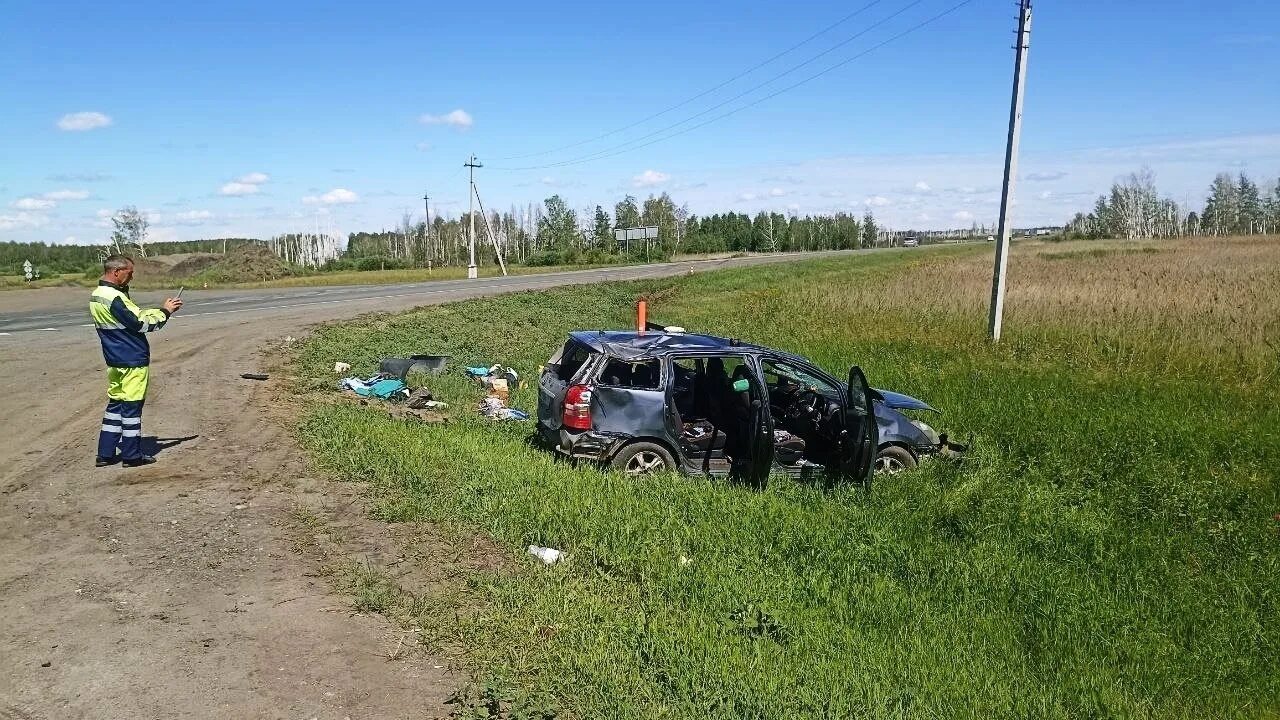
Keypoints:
pixel 54 258
pixel 554 233
pixel 1134 209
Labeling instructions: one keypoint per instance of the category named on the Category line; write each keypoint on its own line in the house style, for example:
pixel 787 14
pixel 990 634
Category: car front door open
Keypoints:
pixel 858 442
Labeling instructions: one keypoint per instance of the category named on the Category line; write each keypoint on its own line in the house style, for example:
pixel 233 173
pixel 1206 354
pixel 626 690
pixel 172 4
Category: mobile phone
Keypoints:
pixel 179 295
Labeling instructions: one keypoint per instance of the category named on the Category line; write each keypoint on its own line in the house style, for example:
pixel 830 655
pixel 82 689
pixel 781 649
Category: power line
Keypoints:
pixel 740 95
pixel 708 91
pixel 622 149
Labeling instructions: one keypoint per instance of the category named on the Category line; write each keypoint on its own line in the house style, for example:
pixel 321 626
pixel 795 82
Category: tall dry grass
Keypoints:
pixel 1200 304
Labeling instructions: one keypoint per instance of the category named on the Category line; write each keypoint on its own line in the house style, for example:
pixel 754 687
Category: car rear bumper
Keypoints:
pixel 583 444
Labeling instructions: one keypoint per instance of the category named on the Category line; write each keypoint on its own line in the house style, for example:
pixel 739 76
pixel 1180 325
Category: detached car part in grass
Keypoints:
pixel 666 400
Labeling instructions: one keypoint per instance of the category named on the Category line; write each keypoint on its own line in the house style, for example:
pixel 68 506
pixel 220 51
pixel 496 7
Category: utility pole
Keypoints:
pixel 426 225
pixel 1010 168
pixel 471 238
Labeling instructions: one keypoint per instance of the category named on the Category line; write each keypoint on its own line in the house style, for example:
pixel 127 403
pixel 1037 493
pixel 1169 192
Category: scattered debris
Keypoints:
pixel 378 386
pixel 547 555
pixel 341 367
pixel 254 376
pixel 401 367
pixel 419 398
pixel 493 407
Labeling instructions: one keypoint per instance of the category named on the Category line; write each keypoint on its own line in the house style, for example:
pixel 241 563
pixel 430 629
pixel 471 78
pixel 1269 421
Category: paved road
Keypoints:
pixel 68 310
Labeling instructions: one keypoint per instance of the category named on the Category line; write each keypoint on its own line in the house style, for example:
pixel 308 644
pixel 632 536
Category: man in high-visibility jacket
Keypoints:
pixel 122 328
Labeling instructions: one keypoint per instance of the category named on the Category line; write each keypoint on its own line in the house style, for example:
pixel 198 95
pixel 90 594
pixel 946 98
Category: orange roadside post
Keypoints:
pixel 642 315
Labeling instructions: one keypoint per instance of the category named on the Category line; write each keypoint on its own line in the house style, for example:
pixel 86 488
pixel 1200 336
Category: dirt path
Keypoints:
pixel 174 590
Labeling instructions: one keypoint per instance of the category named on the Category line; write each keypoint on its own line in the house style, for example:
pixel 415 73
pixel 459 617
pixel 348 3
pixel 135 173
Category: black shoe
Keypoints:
pixel 103 462
pixel 144 460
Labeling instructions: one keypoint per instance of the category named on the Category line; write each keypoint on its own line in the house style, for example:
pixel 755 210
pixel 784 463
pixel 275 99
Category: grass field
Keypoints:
pixel 1111 548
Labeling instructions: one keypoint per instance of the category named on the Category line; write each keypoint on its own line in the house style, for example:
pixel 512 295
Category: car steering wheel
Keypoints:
pixel 805 406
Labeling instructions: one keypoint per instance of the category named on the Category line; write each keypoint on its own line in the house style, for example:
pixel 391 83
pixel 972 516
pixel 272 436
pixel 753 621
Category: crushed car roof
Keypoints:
pixel 630 345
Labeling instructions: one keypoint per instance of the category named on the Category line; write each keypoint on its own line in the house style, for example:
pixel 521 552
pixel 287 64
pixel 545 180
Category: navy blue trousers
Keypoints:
pixel 121 424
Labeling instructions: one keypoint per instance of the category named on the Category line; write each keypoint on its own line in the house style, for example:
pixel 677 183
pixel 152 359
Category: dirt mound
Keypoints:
pixel 247 263
pixel 194 263
pixel 150 269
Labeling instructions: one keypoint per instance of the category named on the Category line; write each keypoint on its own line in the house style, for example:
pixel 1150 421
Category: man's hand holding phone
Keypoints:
pixel 173 304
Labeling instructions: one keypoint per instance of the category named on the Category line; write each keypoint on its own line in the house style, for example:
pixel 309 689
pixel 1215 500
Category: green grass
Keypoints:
pixel 1109 550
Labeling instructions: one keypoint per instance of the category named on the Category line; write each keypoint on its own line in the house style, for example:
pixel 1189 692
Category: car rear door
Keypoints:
pixel 554 382
pixel 858 443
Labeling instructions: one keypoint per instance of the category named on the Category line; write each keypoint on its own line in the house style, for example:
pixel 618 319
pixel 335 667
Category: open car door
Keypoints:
pixel 761 441
pixel 861 434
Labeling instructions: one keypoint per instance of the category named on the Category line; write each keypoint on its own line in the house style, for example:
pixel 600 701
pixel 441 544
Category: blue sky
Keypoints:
pixel 237 118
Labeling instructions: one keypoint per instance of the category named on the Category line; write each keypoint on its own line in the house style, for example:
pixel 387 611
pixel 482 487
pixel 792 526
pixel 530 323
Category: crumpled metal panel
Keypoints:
pixel 638 413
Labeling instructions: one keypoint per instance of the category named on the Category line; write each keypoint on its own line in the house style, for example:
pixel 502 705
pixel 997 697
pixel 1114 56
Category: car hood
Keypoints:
pixel 898 401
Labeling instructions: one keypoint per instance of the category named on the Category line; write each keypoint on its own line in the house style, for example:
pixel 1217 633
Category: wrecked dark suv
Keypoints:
pixel 666 400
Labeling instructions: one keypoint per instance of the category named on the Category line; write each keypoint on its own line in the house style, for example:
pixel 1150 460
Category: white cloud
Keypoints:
pixel 58 195
pixel 30 203
pixel 649 178
pixel 922 186
pixel 22 220
pixel 876 201
pixel 424 146
pixel 105 213
pixel 79 177
pixel 1046 176
pixel 336 196
pixel 237 189
pixel 250 184
pixel 192 217
pixel 747 196
pixel 777 192
pixel 832 193
pixel 81 121
pixel 963 216
pixel 1046 194
pixel 794 207
pixel 69 240
pixel 459 119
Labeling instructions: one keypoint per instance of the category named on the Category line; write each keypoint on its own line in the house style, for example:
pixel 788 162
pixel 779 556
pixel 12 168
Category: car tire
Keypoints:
pixel 643 458
pixel 893 459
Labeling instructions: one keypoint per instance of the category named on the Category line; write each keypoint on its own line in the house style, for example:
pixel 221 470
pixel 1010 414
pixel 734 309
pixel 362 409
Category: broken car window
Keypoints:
pixel 785 379
pixel 643 375
pixel 572 357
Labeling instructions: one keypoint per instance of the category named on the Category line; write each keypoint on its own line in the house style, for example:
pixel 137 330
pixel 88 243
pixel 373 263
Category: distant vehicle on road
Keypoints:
pixel 911 241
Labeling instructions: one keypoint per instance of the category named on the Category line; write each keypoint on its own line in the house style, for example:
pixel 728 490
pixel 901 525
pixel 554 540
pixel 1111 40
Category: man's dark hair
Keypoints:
pixel 116 262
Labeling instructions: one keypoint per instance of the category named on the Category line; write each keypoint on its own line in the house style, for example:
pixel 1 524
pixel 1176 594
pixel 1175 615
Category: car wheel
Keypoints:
pixel 894 459
pixel 643 458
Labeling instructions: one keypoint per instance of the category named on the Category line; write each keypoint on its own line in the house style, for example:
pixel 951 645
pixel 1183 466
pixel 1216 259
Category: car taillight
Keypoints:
pixel 577 407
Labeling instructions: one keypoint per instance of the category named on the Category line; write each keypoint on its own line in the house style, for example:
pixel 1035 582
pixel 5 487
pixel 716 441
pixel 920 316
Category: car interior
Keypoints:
pixel 807 415
pixel 715 417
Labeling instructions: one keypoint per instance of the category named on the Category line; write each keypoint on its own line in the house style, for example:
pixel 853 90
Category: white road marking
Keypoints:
pixel 48 330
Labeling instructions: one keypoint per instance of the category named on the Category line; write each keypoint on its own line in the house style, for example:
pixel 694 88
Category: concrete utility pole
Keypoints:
pixel 471 238
pixel 1010 168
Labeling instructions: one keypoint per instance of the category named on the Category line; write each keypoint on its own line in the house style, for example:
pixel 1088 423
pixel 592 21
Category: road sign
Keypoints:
pixel 26 269
pixel 624 235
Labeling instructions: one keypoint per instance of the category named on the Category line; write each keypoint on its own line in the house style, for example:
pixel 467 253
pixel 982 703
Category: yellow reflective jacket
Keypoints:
pixel 122 326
